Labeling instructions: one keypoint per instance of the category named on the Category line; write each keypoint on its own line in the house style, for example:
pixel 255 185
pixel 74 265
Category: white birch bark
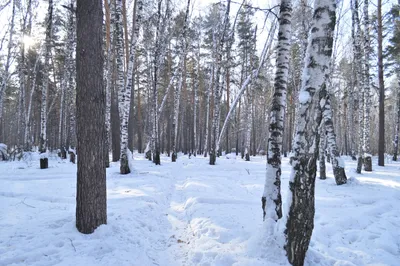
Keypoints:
pixel 178 88
pixel 217 86
pixel 272 199
pixel 301 209
pixel 208 99
pixel 337 161
pixel 43 112
pixel 356 34
pixel 367 93
pixel 6 74
pixel 126 93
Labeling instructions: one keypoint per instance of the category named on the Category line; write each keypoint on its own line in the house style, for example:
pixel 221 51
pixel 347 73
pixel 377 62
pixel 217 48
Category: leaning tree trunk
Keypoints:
pixel 367 96
pixel 91 196
pixel 300 216
pixel 337 162
pixel 43 111
pixel 272 199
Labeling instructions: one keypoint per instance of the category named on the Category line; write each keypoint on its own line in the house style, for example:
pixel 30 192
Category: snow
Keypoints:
pixel 191 213
pixel 304 97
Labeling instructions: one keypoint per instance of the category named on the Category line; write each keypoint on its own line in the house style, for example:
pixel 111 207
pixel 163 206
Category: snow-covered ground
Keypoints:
pixel 191 213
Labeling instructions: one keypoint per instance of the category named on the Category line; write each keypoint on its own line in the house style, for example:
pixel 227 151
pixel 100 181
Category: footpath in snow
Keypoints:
pixel 191 213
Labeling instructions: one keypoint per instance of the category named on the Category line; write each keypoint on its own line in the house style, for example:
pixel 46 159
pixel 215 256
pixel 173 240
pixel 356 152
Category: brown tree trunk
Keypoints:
pixel 91 196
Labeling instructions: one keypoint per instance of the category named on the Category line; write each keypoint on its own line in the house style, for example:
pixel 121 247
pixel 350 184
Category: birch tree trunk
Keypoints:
pixel 70 88
pixel 108 73
pixel 249 122
pixel 321 152
pixel 208 99
pixel 337 162
pixel 396 134
pixel 6 74
pixel 272 199
pixel 126 92
pixel 367 93
pixel 178 88
pixel 300 216
pixel 217 86
pixel 43 112
pixel 356 35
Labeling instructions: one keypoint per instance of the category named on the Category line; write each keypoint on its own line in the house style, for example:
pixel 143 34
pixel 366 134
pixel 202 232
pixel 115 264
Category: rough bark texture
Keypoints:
pixel 91 197
pixel 272 187
pixel 300 217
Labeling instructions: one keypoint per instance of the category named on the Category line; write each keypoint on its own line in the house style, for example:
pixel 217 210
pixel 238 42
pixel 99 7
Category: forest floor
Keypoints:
pixel 191 213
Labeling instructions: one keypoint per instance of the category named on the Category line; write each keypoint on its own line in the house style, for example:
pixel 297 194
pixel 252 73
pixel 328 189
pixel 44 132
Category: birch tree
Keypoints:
pixel 358 77
pixel 6 73
pixel 300 214
pixel 272 199
pixel 177 95
pixel 43 112
pixel 367 91
pixel 219 47
pixel 126 93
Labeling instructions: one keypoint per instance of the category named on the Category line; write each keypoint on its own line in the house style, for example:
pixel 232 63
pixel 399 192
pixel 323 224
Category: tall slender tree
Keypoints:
pixel 43 112
pixel 381 141
pixel 271 199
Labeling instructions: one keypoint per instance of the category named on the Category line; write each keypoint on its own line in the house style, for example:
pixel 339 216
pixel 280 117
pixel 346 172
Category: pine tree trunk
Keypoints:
pixel 272 199
pixel 300 219
pixel 91 197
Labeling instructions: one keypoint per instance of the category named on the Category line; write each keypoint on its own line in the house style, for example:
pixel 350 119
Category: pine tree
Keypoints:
pixel 91 196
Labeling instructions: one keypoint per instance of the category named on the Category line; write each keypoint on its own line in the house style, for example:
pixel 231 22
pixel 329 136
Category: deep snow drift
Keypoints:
pixel 191 213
